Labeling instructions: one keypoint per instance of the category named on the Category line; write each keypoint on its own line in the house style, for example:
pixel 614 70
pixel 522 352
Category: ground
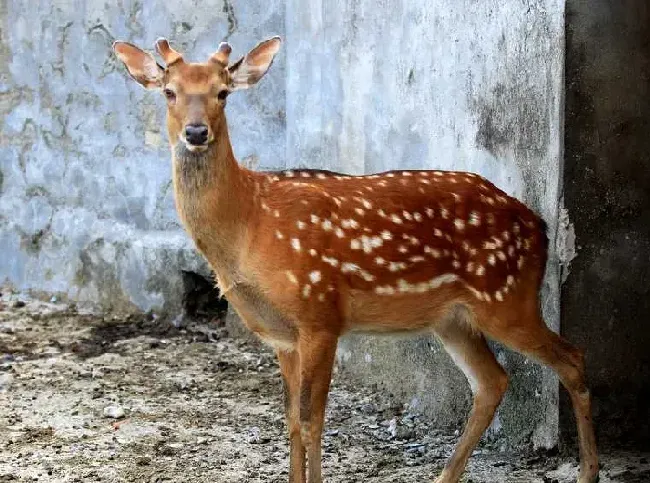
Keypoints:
pixel 91 398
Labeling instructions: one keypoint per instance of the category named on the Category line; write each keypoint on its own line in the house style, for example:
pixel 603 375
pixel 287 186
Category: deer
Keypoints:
pixel 305 256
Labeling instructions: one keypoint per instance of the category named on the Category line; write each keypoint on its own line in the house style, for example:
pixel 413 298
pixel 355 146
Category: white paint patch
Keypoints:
pixel 315 276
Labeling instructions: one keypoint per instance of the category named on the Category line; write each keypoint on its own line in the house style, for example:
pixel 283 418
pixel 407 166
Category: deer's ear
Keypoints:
pixel 248 70
pixel 140 64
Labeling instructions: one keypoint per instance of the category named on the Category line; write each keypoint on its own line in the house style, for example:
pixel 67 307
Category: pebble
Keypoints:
pixel 114 412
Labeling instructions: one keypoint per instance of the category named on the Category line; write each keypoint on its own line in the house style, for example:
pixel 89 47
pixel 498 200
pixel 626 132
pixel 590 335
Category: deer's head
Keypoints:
pixel 196 92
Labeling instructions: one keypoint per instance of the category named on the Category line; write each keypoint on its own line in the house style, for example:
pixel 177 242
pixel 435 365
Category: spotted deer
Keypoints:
pixel 305 256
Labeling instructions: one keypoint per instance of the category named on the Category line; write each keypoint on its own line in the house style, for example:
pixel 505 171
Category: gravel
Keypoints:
pixel 110 399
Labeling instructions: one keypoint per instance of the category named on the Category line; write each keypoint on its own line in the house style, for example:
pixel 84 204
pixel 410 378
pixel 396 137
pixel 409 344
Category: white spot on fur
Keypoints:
pixel 313 252
pixel 331 261
pixel 279 235
pixel 292 278
pixel 305 174
pixel 384 290
pixel 327 225
pixel 350 223
pixel 459 224
pixel 501 256
pixel 417 258
pixel 402 249
pixel 444 212
pixel 480 270
pixel 474 218
pixel 289 174
pixel 499 296
pixel 339 233
pixel 301 225
pixel 435 253
pixel 359 211
pixel 306 290
pixel 295 243
pixel 355 244
pixel 396 266
pixel 315 276
pixel 276 213
pixel 429 212
pixel 386 235
pixel 321 297
pixel 407 215
pixel 380 261
pixel 314 218
pixel 321 175
pixel 396 219
pixel 417 216
pixel 492 259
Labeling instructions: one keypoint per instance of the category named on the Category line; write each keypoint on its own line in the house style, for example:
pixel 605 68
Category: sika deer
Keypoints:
pixel 305 256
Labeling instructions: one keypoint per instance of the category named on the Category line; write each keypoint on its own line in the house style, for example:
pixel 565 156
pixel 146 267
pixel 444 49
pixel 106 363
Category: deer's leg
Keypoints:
pixel 567 361
pixel 317 352
pixel 290 368
pixel 488 382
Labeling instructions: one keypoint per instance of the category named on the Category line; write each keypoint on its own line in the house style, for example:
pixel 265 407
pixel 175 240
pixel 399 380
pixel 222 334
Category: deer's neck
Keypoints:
pixel 214 200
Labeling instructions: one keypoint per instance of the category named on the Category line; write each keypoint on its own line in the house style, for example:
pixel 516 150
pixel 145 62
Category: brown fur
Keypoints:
pixel 305 256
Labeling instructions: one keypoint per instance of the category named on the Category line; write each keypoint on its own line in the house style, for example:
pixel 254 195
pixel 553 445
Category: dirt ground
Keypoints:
pixel 88 398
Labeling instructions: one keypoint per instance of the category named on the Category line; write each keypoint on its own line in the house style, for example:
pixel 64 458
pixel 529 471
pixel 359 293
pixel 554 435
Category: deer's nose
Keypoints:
pixel 196 134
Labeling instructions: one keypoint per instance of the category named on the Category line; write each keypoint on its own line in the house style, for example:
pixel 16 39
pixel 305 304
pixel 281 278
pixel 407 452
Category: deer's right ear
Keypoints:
pixel 141 65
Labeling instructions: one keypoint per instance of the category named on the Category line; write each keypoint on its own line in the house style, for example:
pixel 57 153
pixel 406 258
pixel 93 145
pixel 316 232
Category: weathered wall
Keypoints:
pixel 85 202
pixel 86 206
pixel 606 298
pixel 466 85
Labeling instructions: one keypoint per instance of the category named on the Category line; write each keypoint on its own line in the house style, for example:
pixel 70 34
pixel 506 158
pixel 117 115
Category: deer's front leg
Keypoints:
pixel 317 352
pixel 290 368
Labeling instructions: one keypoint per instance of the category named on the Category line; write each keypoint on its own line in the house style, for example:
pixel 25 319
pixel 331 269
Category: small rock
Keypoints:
pixel 114 412
pixel 18 304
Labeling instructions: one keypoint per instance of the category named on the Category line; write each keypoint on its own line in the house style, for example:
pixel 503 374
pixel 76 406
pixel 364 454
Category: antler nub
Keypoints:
pixel 222 54
pixel 168 54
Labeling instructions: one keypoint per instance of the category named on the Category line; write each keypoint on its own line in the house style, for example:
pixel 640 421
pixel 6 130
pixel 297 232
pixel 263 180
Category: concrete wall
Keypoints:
pixel 467 85
pixel 606 299
pixel 85 204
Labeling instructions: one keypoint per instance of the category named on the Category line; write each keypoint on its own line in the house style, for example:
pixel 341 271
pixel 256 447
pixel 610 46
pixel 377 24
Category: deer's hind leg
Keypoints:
pixel 488 382
pixel 534 339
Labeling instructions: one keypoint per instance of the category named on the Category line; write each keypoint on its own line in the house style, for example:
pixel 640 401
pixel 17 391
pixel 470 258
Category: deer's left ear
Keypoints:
pixel 140 64
pixel 248 70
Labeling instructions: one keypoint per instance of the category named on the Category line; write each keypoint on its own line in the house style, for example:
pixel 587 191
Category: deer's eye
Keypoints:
pixel 222 94
pixel 169 94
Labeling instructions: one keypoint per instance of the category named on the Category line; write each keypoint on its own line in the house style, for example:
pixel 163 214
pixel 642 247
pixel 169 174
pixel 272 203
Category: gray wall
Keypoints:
pixel 447 84
pixel 86 209
pixel 606 299
pixel 86 205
